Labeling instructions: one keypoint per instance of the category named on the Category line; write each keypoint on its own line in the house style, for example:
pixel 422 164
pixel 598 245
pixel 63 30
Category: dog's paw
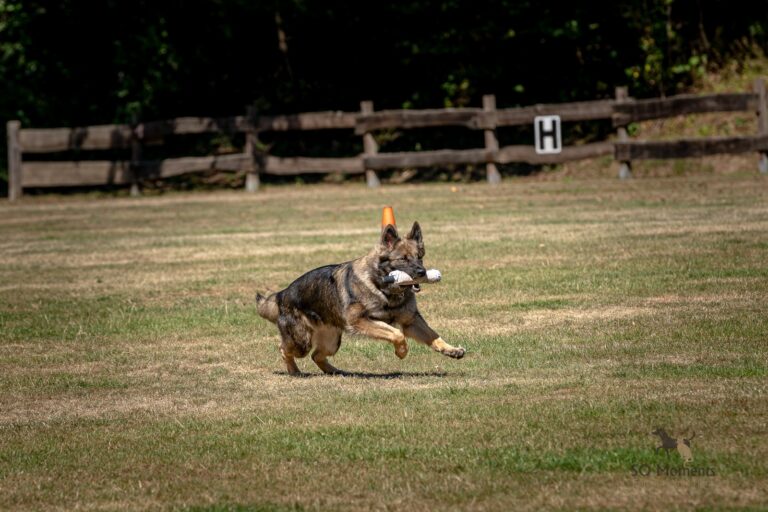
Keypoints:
pixel 455 352
pixel 401 350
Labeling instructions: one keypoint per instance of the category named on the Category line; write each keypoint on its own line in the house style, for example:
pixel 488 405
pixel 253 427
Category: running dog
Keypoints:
pixel 353 297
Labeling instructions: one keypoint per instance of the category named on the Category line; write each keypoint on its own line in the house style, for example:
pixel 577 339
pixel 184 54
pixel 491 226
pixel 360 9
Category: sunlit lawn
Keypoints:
pixel 135 373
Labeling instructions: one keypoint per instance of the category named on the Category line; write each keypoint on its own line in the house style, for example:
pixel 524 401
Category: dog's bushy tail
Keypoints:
pixel 267 307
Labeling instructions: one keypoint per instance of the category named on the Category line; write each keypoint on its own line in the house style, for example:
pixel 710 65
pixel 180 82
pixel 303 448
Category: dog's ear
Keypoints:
pixel 389 237
pixel 415 235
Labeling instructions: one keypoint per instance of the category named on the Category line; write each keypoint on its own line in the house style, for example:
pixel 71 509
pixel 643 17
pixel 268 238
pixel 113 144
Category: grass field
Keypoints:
pixel 135 374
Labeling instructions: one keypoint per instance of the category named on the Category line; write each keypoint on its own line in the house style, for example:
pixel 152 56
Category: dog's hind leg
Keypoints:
pixel 326 342
pixel 296 341
pixel 420 331
pixel 288 359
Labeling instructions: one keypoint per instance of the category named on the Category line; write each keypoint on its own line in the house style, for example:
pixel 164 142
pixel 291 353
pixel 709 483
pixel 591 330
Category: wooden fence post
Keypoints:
pixel 136 150
pixel 491 142
pixel 14 160
pixel 369 146
pixel 625 166
pixel 762 121
pixel 252 177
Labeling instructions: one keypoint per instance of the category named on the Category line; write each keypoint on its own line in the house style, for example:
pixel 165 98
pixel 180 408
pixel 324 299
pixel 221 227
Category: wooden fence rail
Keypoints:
pixel 621 111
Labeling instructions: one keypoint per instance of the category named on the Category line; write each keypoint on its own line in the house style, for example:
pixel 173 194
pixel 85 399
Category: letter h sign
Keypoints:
pixel 548 137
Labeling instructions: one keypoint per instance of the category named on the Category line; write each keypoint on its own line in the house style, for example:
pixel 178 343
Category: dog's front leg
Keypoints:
pixel 382 331
pixel 420 331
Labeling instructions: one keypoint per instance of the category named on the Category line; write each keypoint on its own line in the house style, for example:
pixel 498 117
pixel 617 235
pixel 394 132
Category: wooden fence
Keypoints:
pixel 621 111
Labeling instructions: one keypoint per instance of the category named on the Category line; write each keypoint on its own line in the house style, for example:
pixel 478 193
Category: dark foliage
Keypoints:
pixel 73 62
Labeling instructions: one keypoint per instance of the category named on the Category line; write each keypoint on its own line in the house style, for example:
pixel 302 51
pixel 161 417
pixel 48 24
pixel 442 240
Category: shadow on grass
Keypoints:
pixel 365 375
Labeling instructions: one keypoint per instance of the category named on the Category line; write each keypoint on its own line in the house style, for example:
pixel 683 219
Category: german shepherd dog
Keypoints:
pixel 314 310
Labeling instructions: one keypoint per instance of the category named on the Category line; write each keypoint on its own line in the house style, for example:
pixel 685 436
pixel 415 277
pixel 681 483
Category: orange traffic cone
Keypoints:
pixel 387 217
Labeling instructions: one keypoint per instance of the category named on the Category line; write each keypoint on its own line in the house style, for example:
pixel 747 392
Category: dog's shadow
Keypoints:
pixel 365 375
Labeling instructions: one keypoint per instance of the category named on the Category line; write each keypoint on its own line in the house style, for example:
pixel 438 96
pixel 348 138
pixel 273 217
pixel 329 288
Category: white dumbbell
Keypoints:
pixel 398 277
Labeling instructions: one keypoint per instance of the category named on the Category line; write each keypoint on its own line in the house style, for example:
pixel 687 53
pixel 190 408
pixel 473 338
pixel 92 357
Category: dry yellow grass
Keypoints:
pixel 135 374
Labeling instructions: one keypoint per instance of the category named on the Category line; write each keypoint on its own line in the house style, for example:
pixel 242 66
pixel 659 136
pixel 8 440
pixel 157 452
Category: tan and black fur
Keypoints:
pixel 313 311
